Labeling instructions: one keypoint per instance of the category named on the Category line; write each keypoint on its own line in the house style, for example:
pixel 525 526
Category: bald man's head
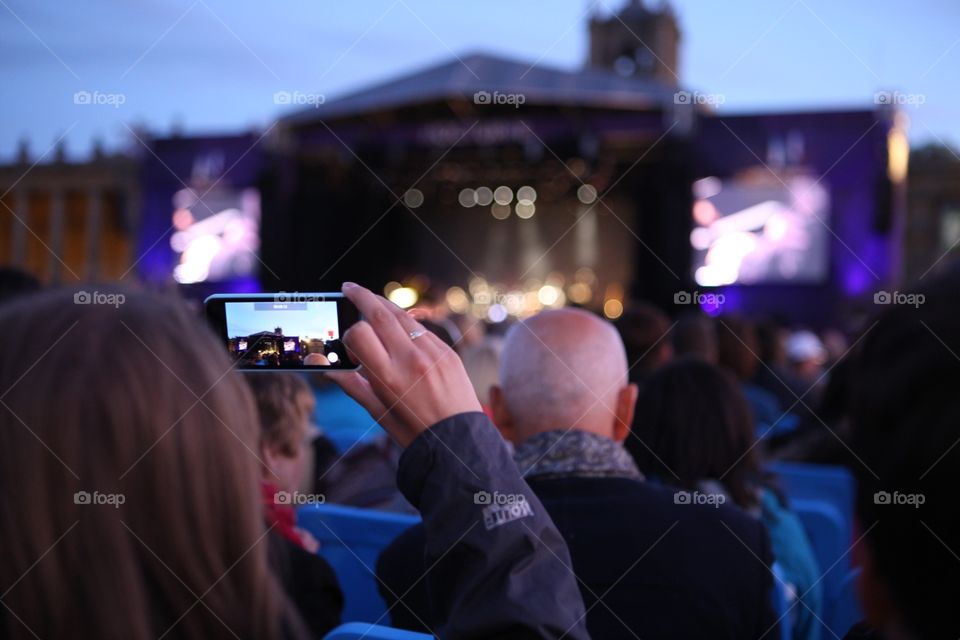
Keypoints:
pixel 560 370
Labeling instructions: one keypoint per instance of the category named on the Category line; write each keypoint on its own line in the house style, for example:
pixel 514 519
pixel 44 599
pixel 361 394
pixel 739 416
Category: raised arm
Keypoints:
pixel 497 566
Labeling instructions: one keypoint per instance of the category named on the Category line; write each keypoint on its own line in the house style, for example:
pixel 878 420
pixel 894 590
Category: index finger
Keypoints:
pixel 381 318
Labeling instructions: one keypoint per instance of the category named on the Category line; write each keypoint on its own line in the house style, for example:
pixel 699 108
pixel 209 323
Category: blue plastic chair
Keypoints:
pixel 831 545
pixel 364 631
pixel 823 497
pixel 846 608
pixel 781 604
pixel 351 539
pixel 833 484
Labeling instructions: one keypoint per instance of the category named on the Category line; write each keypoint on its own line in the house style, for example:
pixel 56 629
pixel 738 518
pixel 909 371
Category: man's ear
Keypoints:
pixel 626 404
pixel 269 458
pixel 501 414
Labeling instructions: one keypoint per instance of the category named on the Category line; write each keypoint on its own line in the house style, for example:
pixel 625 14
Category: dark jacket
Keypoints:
pixel 309 582
pixel 490 572
pixel 648 567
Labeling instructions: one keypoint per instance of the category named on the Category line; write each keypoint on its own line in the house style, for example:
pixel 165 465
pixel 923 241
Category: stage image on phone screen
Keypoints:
pixel 285 335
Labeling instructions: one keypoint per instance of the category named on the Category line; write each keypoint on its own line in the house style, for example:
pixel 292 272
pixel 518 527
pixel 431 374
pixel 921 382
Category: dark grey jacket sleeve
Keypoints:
pixel 496 565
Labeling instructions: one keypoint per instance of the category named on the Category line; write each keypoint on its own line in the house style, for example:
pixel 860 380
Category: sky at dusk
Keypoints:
pixel 211 66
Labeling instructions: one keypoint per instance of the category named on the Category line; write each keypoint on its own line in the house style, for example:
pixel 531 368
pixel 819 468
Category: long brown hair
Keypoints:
pixel 129 503
pixel 693 423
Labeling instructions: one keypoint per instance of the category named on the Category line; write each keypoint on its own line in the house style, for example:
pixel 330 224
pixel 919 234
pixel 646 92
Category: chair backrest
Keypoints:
pixel 351 539
pixel 833 484
pixel 831 546
pixel 846 609
pixel 363 630
pixel 823 496
pixel 781 604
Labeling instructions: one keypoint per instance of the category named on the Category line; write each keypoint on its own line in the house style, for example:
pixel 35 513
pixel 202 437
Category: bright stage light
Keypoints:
pixel 585 274
pixel 548 295
pixel 513 302
pixel 525 210
pixel 484 196
pixel 527 193
pixel 613 309
pixel 580 292
pixel 503 195
pixel 467 198
pixel 413 198
pixel 458 300
pixel 404 297
pixel 587 194
pixel 898 155
pixel 478 284
pixel 531 303
pixel 497 313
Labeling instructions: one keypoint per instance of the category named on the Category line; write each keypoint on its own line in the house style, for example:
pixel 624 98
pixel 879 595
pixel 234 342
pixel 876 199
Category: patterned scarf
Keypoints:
pixel 574 453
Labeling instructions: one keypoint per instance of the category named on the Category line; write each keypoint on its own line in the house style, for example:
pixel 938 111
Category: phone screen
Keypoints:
pixel 284 331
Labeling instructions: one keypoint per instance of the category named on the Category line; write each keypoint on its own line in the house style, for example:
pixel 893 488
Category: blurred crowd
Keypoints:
pixel 638 450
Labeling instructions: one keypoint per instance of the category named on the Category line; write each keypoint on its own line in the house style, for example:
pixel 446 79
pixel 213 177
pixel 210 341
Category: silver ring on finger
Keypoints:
pixel 418 333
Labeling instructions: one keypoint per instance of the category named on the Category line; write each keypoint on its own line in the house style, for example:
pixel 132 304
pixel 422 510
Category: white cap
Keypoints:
pixel 805 345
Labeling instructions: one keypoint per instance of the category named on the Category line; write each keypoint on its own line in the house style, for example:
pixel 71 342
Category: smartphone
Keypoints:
pixel 280 331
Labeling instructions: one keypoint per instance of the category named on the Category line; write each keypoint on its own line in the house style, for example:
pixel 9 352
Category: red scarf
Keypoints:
pixel 281 517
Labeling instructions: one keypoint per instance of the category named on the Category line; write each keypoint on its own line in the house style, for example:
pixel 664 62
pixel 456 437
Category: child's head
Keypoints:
pixel 285 403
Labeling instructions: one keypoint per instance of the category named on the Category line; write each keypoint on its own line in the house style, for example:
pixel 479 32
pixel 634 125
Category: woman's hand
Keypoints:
pixel 406 384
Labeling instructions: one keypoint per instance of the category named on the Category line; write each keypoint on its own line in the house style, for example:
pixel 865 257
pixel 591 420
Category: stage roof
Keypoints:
pixel 460 78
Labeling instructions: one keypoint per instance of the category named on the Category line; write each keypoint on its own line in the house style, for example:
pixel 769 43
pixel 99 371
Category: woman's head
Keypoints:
pixel 285 405
pixel 128 474
pixel 737 346
pixel 692 424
